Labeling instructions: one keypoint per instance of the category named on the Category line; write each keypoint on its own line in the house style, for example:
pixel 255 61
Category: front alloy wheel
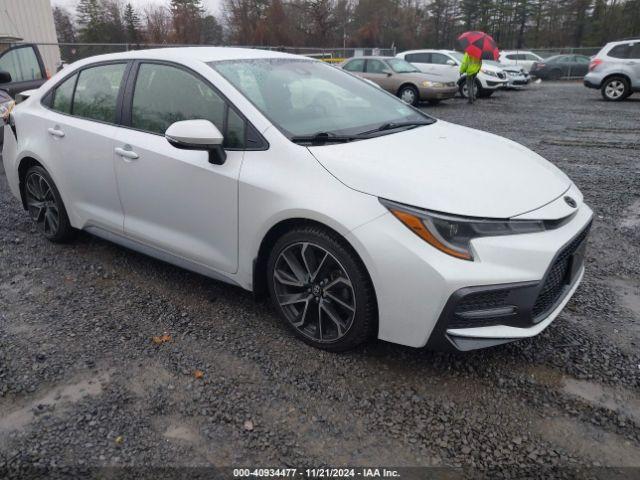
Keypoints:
pixel 321 290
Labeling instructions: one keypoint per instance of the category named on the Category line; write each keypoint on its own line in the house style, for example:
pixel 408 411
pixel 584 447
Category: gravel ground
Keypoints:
pixel 82 383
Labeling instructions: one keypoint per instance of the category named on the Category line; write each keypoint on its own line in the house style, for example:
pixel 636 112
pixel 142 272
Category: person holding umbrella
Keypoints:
pixel 470 67
pixel 476 46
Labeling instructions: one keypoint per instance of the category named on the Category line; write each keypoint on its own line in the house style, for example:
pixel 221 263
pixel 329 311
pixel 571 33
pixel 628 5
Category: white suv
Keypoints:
pixel 521 58
pixel 615 70
pixel 446 64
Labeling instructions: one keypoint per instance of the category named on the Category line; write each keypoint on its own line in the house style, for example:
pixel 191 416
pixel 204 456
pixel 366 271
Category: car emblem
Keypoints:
pixel 571 202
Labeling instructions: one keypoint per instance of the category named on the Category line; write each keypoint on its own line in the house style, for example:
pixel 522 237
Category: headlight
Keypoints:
pixel 428 84
pixel 489 72
pixel 452 234
pixel 5 109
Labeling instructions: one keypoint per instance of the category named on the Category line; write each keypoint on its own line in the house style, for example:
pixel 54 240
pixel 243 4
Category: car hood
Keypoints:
pixel 491 68
pixel 447 168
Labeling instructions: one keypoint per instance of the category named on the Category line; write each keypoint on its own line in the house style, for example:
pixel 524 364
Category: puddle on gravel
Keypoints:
pixel 181 432
pixel 588 441
pixel 612 398
pixel 631 219
pixel 58 397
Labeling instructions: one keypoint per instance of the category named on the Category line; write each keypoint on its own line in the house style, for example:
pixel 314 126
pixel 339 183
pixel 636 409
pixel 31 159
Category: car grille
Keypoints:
pixel 557 279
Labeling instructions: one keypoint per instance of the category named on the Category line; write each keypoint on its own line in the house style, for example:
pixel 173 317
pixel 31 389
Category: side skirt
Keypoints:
pixel 160 254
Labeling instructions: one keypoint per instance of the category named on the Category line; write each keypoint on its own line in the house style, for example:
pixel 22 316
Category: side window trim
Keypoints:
pixel 127 102
pixel 48 98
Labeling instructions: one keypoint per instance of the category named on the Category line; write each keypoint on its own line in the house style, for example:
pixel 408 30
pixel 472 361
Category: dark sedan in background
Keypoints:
pixel 561 66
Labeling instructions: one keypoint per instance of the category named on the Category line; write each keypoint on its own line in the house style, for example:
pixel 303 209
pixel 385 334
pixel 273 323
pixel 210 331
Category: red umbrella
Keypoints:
pixel 479 45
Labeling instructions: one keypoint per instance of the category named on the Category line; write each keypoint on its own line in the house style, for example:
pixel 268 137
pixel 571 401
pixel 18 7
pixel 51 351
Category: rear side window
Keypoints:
pixel 620 51
pixel 439 59
pixel 418 57
pixel 635 51
pixel 355 66
pixel 96 94
pixel 22 64
pixel 63 95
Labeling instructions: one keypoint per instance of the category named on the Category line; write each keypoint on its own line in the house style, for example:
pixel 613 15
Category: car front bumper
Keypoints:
pixel 438 93
pixel 518 80
pixel 419 288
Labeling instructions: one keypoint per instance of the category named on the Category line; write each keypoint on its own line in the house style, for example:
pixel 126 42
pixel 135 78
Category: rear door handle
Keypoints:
pixel 126 152
pixel 56 132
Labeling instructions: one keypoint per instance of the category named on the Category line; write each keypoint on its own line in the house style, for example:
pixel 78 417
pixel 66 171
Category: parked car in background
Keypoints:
pixel 400 78
pixel 21 68
pixel 561 66
pixel 360 216
pixel 445 64
pixel 25 65
pixel 520 58
pixel 517 76
pixel 615 70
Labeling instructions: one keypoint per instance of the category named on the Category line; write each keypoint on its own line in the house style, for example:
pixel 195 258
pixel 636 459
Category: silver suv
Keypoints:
pixel 615 70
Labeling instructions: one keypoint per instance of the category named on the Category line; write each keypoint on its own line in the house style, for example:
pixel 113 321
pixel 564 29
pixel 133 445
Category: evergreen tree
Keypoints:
pixel 131 24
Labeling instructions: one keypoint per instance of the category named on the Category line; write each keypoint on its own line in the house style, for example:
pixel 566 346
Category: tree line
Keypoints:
pixel 402 24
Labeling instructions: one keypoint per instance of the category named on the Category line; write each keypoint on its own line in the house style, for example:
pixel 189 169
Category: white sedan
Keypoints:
pixel 359 215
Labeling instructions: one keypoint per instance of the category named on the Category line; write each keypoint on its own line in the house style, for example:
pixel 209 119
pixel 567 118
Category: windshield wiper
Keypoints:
pixel 324 137
pixel 394 125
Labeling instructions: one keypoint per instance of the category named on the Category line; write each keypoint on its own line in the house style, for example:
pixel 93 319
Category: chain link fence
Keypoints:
pixel 71 52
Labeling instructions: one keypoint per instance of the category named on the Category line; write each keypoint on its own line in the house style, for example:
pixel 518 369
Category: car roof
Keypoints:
pixel 372 57
pixel 427 50
pixel 202 54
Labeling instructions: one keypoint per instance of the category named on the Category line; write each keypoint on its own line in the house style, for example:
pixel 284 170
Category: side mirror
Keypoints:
pixel 5 77
pixel 198 135
pixel 387 72
pixel 451 62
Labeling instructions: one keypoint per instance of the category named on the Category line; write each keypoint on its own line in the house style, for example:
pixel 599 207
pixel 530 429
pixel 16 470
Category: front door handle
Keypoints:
pixel 126 152
pixel 56 132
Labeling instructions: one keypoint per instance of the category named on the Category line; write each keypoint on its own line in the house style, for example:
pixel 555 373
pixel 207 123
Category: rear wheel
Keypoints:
pixel 45 206
pixel 615 89
pixel 321 289
pixel 409 94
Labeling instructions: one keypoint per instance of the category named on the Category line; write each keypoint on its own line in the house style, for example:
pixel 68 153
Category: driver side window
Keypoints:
pixel 375 66
pixel 164 94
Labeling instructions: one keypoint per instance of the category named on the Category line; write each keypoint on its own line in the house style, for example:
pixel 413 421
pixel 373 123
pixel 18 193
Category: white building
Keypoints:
pixel 31 21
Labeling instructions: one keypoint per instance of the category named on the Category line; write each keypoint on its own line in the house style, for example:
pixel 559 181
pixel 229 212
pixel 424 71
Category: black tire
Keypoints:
pixel 615 89
pixel 356 303
pixel 45 206
pixel 409 94
pixel 463 84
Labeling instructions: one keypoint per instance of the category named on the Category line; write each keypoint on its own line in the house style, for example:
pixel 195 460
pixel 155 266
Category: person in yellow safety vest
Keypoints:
pixel 470 66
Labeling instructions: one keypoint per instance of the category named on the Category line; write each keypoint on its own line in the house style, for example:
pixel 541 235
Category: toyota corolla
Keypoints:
pixel 360 216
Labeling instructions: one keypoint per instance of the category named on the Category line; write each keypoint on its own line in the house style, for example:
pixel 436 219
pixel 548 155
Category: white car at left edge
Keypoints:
pixel 360 216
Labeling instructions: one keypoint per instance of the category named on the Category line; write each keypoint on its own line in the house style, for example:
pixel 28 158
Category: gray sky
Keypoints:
pixel 212 6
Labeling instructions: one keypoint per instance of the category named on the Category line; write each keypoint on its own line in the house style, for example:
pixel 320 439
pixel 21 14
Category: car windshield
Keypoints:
pixel 401 66
pixel 307 97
